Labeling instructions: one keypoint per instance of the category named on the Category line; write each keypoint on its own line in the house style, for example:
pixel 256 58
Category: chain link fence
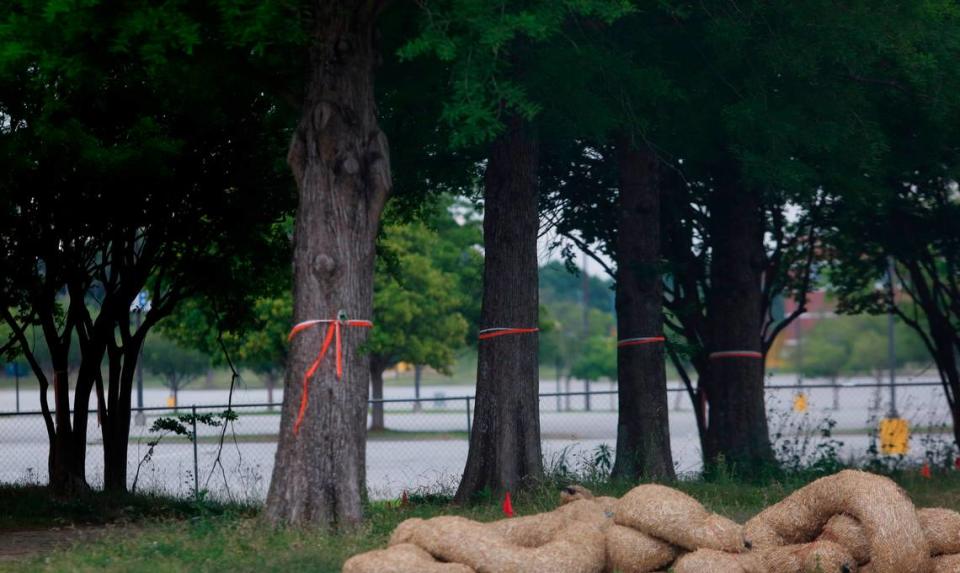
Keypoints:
pixel 423 445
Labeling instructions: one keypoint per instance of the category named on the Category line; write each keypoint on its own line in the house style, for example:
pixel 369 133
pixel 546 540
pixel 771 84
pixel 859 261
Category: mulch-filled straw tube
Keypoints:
pixel 715 561
pixel 630 551
pixel 941 528
pixel 677 518
pixel 848 532
pixel 577 548
pixel 402 558
pixel 897 542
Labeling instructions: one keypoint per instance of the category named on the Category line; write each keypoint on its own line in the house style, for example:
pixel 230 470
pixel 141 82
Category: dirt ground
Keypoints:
pixel 22 543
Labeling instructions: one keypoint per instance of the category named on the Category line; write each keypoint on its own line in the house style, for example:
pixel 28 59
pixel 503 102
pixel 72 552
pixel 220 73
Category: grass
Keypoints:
pixel 166 535
pixel 32 506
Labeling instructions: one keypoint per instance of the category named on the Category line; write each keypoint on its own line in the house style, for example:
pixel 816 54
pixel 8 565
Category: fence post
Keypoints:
pixel 468 418
pixel 196 478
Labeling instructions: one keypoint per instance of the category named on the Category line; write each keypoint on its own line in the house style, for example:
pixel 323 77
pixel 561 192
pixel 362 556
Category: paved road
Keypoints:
pixel 409 464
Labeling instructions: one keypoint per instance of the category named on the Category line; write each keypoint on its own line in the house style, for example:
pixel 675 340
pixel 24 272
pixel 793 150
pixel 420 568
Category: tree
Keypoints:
pixel 417 305
pixel 753 142
pixel 176 366
pixel 598 359
pixel 262 347
pixel 488 49
pixel 341 164
pixel 95 103
pixel 903 222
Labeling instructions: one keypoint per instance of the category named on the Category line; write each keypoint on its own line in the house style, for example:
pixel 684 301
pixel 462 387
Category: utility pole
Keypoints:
pixel 140 419
pixel 585 286
pixel 799 335
pixel 891 347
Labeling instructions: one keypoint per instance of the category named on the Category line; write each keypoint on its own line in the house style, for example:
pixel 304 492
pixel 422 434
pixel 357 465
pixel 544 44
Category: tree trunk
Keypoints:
pixel 643 428
pixel 376 384
pixel 66 463
pixel 505 440
pixel 559 367
pixel 417 373
pixel 737 421
pixel 116 426
pixel 270 380
pixel 946 345
pixel 340 161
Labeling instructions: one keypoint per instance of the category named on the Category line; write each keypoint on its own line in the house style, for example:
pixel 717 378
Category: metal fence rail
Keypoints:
pixel 424 443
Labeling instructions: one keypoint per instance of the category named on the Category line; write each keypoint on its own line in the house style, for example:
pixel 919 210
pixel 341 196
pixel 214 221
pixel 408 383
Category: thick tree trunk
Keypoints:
pixel 115 453
pixel 340 161
pixel 946 346
pixel 66 464
pixel 505 440
pixel 643 428
pixel 376 385
pixel 736 420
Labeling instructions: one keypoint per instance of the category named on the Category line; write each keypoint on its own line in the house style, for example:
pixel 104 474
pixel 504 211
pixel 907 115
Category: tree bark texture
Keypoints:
pixel 340 161
pixel 643 428
pixel 67 462
pixel 505 439
pixel 736 420
pixel 116 423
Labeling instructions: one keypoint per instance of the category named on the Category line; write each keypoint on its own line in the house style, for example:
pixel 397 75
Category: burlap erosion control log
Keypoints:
pixel 577 548
pixel 897 542
pixel 674 516
pixel 402 558
pixel 848 532
pixel 946 564
pixel 940 526
pixel 630 551
pixel 833 525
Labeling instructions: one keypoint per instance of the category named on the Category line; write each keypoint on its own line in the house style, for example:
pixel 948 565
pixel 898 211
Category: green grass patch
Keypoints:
pixel 31 506
pixel 182 536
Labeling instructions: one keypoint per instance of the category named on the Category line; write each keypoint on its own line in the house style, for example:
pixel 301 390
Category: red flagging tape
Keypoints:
pixel 332 335
pixel 639 340
pixel 736 354
pixel 503 331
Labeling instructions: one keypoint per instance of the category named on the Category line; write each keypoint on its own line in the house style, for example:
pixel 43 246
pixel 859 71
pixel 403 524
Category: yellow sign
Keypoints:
pixel 800 402
pixel 171 402
pixel 894 436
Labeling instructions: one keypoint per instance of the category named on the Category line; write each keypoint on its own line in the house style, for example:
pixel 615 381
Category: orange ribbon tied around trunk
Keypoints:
pixel 332 335
pixel 736 354
pixel 640 340
pixel 503 331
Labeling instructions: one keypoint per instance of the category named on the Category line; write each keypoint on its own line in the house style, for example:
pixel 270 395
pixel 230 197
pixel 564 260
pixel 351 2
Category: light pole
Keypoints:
pixel 140 419
pixel 891 347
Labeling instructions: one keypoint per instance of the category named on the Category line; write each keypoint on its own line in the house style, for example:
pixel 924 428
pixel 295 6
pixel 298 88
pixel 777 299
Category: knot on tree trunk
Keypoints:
pixel 324 266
